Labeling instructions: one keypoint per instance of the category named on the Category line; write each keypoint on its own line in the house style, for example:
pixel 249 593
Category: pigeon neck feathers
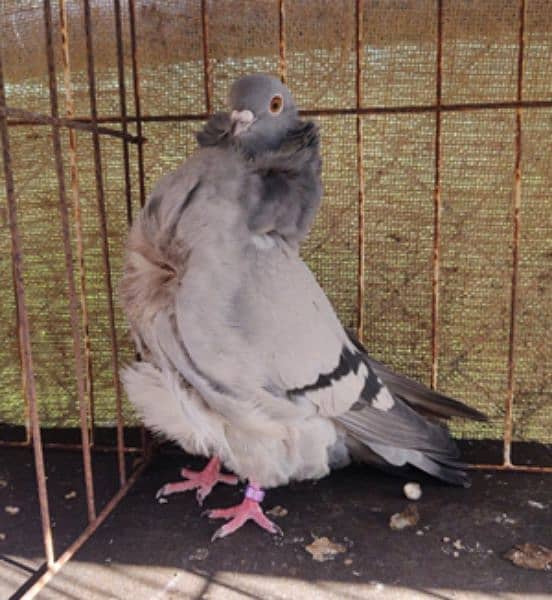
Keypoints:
pixel 290 188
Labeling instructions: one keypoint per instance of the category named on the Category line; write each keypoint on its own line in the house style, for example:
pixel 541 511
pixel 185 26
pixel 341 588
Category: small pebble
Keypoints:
pixel 3 483
pixel 420 532
pixel 277 511
pixel 12 510
pixel 323 549
pixel 412 490
pixel 531 556
pixel 456 554
pixel 348 561
pixel 162 500
pixel 446 540
pixel 2 537
pixel 408 518
pixel 70 495
pixel 504 519
pixel 458 545
pixel 535 504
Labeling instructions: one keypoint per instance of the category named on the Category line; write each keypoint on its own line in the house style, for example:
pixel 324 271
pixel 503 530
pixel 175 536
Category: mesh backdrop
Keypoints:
pixel 398 60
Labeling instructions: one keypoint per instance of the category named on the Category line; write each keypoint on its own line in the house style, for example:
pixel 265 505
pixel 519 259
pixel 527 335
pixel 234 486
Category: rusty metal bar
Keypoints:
pixel 122 105
pixel 27 117
pixel 73 305
pixel 24 331
pixel 84 536
pixel 102 218
pixel 70 446
pixel 282 63
pixel 173 451
pixel 320 112
pixel 428 108
pixel 141 170
pixel 27 417
pixel 516 209
pixel 17 443
pixel 97 447
pixel 360 171
pixel 137 102
pixel 437 204
pixel 513 468
pixel 207 71
pixel 77 216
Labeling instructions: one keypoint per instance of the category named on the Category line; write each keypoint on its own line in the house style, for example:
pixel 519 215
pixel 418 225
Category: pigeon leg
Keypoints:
pixel 203 481
pixel 249 509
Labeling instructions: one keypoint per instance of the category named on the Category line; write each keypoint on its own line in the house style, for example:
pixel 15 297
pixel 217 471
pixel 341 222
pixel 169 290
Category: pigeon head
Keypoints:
pixel 262 112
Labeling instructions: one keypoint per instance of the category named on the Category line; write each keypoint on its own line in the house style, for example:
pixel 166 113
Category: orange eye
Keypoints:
pixel 276 104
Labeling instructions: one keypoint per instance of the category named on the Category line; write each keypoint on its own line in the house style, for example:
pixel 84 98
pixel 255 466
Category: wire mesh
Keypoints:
pixel 401 99
pixel 478 57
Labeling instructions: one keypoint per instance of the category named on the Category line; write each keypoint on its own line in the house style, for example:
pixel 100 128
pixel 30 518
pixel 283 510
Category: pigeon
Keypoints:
pixel 243 359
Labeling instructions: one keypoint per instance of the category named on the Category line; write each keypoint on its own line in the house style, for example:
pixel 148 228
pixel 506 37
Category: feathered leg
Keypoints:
pixel 248 509
pixel 204 481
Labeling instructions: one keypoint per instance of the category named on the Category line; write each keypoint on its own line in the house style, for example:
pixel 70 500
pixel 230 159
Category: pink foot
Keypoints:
pixel 203 481
pixel 249 509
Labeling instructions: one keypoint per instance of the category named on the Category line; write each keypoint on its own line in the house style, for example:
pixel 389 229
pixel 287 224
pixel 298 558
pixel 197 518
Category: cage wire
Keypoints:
pixel 434 240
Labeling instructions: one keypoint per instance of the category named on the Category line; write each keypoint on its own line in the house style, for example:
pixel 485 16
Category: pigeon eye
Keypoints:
pixel 276 104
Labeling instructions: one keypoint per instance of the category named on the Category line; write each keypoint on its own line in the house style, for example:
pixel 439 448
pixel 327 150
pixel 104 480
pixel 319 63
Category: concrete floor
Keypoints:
pixel 147 550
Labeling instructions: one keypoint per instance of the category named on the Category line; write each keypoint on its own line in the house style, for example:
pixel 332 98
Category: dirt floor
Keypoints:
pixel 147 550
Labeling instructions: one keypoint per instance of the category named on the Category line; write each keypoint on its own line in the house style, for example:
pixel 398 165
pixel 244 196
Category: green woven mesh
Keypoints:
pixel 398 56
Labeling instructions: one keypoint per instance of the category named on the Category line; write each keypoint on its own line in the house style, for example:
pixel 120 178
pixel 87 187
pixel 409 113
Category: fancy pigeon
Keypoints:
pixel 244 360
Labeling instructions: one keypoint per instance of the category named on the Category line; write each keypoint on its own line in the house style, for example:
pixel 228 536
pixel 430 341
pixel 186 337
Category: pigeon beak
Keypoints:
pixel 241 121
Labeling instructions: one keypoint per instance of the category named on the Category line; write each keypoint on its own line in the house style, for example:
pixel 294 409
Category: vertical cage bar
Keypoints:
pixel 207 74
pixel 24 331
pixel 437 204
pixel 282 64
pixel 516 229
pixel 102 218
pixel 77 215
pixel 145 439
pixel 65 229
pixel 360 171
pixel 137 101
pixel 28 434
pixel 122 105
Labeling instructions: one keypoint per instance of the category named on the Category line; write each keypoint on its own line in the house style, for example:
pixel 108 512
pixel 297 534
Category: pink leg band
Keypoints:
pixel 254 493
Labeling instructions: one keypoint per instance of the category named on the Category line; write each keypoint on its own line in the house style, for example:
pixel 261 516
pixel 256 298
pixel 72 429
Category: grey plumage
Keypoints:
pixel 245 357
pixel 291 186
pixel 285 159
pixel 422 398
